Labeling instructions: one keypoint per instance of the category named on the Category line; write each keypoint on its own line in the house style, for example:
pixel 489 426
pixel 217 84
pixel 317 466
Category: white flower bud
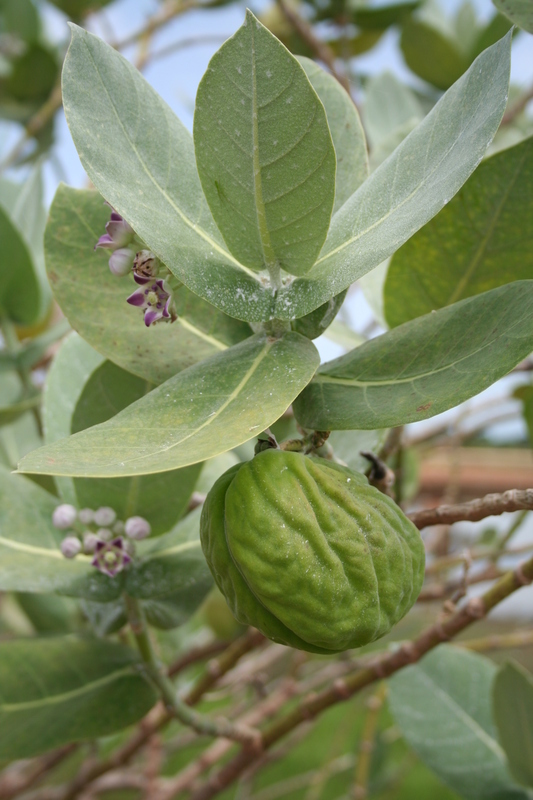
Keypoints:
pixel 137 528
pixel 64 516
pixel 86 516
pixel 118 528
pixel 90 540
pixel 104 534
pixel 70 546
pixel 104 516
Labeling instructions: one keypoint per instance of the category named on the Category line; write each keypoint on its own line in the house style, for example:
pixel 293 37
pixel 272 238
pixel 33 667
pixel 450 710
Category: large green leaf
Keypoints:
pixel 425 366
pixel 83 389
pixel 148 173
pixel 30 558
pixel 513 714
pixel 67 689
pixel 173 566
pixel 381 16
pixel 415 182
pixel 432 54
pixel 94 300
pixel 159 498
pixel 204 410
pixel 264 152
pixel 442 706
pixel 20 293
pixel 480 240
pixel 346 131
pixel 519 11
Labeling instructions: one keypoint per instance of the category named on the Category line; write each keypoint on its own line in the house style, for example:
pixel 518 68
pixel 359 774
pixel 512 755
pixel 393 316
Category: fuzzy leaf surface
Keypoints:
pixel 201 412
pixel 66 689
pixel 482 239
pixel 513 714
pixel 94 300
pixel 442 706
pixel 519 11
pixel 346 131
pixel 264 152
pixel 425 366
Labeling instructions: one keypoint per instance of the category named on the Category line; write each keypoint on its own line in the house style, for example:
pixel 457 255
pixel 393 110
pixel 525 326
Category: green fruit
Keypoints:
pixel 309 553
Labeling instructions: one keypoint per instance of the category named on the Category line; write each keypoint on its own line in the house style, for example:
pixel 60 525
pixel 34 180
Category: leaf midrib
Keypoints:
pixel 193 226
pixel 10 708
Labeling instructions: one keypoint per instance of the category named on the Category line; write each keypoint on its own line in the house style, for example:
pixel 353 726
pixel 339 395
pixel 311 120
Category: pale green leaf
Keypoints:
pixel 346 131
pixel 425 366
pixel 201 412
pixel 160 498
pixel 482 239
pixel 416 181
pixel 513 714
pixel 67 689
pixel 389 105
pixel 30 558
pixel 83 389
pixel 442 706
pixel 264 152
pixel 94 300
pixel 148 173
pixel 348 445
pixel 519 11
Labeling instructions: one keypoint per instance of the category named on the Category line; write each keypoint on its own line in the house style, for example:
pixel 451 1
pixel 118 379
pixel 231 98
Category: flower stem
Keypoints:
pixel 175 706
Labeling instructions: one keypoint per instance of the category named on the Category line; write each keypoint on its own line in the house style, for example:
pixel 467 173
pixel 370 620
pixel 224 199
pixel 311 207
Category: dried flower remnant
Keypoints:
pixel 154 299
pixel 111 557
pixel 146 264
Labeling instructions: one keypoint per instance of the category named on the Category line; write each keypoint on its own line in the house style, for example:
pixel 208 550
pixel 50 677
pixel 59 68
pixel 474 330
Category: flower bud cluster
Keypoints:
pixel 99 533
pixel 155 295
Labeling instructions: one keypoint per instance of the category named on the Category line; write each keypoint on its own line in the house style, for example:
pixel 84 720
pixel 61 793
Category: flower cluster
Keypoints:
pixel 100 534
pixel 155 295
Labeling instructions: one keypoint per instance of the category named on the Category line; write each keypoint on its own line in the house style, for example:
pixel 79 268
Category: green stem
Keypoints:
pixel 175 706
pixel 13 347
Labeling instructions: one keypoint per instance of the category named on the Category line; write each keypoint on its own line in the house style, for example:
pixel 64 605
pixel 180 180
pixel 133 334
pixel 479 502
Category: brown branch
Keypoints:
pixel 13 784
pixel 158 718
pixel 382 667
pixel 197 654
pixel 320 48
pixel 488 506
pixel 517 107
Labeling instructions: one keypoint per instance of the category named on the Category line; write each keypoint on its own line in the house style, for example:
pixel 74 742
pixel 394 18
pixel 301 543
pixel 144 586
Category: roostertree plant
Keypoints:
pixel 219 258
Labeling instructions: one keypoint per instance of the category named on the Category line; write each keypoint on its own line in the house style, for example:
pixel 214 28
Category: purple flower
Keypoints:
pixel 118 233
pixel 153 299
pixel 111 557
pixel 117 237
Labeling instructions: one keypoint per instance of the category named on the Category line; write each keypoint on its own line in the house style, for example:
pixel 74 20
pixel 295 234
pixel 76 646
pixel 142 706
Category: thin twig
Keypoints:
pixel 174 704
pixel 517 107
pixel 382 667
pixel 367 742
pixel 196 654
pixel 488 506
pixel 13 783
pixel 321 50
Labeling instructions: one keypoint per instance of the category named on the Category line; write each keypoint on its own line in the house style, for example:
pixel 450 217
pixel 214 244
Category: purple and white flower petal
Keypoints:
pixel 111 557
pixel 154 299
pixel 121 261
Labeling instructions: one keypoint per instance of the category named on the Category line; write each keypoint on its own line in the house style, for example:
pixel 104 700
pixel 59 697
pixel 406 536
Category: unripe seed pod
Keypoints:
pixel 70 546
pixel 308 552
pixel 64 516
pixel 137 528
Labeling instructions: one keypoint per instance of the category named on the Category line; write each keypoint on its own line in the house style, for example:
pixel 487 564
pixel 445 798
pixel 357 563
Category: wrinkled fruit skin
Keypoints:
pixel 309 553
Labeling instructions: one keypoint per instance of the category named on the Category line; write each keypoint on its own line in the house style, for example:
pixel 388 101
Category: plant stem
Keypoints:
pixel 488 506
pixel 174 704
